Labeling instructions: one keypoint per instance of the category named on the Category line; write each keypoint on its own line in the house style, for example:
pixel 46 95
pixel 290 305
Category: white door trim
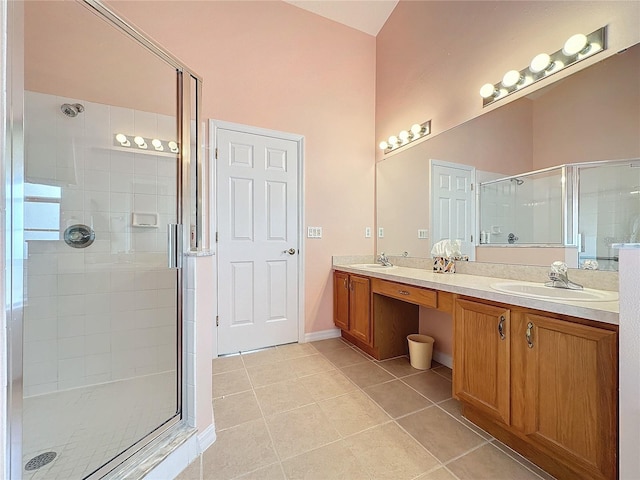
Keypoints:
pixel 474 225
pixel 214 125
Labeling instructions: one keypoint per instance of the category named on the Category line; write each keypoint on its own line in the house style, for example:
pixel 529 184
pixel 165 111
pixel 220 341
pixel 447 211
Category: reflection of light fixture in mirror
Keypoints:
pixel 576 48
pixel 405 137
pixel 140 142
pixel 122 139
pixel 157 144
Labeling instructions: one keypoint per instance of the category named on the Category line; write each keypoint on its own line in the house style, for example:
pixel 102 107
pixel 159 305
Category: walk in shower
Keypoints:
pixel 96 196
pixel 587 207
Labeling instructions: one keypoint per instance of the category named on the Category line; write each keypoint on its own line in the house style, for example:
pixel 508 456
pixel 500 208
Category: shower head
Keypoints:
pixel 518 181
pixel 72 109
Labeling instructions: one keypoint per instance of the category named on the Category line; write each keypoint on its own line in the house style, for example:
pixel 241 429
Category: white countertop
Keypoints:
pixel 480 287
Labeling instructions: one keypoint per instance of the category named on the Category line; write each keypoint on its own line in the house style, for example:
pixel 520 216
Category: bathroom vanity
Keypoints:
pixel 538 374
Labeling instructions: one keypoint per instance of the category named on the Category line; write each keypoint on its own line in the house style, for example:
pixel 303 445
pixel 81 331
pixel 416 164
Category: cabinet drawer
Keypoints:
pixel 417 295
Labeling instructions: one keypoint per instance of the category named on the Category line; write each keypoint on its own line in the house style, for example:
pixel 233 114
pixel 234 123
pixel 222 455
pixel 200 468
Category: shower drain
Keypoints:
pixel 40 461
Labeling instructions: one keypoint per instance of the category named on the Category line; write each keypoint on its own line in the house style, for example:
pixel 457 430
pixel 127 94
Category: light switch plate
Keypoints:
pixel 367 232
pixel 423 233
pixel 381 232
pixel 314 232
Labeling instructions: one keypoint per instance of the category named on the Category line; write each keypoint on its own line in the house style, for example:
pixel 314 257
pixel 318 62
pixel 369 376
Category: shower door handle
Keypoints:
pixel 174 245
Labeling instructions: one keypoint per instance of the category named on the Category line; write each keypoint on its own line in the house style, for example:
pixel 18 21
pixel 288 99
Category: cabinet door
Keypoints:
pixel 481 370
pixel 341 300
pixel 568 402
pixel 360 309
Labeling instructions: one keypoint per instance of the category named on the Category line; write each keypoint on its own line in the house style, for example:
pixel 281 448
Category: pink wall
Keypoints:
pixel 273 65
pixel 584 121
pixel 475 42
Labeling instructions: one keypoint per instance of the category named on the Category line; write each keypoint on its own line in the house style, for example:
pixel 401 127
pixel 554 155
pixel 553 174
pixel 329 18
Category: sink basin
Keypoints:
pixel 541 291
pixel 373 266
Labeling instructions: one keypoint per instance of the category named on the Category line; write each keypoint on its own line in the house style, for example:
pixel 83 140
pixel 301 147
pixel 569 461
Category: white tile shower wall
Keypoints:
pixel 106 312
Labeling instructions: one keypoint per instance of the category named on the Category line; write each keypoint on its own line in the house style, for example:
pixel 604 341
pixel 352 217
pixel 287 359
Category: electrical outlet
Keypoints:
pixel 380 232
pixel 314 232
pixel 423 233
pixel 367 232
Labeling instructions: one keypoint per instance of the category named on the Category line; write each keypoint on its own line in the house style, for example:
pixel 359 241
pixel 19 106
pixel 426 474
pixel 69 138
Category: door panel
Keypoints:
pixel 454 205
pixel 257 197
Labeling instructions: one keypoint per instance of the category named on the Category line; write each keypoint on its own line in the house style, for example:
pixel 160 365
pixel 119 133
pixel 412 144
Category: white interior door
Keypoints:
pixel 258 251
pixel 453 204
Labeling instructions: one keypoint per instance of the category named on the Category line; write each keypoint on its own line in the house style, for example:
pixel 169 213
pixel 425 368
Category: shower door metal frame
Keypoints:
pixel 13 171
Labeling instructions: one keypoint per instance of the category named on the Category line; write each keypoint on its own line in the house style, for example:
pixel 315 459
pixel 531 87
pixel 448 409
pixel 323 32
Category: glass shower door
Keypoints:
pixel 608 211
pixel 100 345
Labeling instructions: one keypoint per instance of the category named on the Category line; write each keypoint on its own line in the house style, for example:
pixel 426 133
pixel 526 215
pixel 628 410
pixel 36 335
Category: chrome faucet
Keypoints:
pixel 559 279
pixel 384 260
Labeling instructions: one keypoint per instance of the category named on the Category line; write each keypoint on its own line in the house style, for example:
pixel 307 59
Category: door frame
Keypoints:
pixel 214 126
pixel 473 212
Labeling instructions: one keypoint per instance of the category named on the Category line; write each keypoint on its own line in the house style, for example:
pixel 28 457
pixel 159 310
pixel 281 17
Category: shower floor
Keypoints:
pixel 88 426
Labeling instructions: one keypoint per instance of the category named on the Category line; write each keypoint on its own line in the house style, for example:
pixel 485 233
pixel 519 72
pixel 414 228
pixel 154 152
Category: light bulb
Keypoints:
pixel 140 142
pixel 404 135
pixel 416 129
pixel 383 145
pixel 487 90
pixel 157 144
pixel 574 45
pixel 540 63
pixel 173 146
pixel 122 139
pixel 393 140
pixel 511 78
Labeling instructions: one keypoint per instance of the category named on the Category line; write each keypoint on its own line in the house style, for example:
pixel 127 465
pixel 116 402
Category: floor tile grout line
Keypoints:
pixel 492 443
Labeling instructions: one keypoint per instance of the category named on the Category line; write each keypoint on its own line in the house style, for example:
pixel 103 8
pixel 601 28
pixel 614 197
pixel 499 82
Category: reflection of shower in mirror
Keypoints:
pixel 72 109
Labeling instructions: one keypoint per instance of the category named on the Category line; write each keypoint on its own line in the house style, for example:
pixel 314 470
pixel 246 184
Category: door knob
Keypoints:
pixel 291 251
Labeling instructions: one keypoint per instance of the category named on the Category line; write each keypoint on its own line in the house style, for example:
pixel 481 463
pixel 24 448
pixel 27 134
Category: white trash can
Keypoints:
pixel 420 351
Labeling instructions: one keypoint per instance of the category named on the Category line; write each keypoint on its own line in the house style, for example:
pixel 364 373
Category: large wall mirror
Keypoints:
pixel 590 116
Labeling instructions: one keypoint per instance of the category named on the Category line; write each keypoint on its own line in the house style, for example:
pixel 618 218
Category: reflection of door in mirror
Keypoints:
pixel 101 323
pixel 453 205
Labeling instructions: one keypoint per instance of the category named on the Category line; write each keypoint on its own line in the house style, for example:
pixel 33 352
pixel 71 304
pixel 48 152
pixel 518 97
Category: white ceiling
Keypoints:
pixel 365 15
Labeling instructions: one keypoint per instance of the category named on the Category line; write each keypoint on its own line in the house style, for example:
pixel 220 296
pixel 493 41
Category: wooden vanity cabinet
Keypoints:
pixel 548 390
pixel 566 399
pixel 482 358
pixel 352 305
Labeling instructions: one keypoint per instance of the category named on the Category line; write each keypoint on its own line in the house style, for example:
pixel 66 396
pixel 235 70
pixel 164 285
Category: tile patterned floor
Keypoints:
pixel 326 411
pixel 66 422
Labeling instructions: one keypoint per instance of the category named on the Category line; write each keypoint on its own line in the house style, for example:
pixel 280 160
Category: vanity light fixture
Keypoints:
pixel 122 139
pixel 137 142
pixel 576 48
pixel 405 137
pixel 157 144
pixel 140 142
pixel 173 146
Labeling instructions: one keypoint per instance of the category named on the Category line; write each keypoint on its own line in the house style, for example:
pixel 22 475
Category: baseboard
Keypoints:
pixel 206 438
pixel 322 335
pixel 443 358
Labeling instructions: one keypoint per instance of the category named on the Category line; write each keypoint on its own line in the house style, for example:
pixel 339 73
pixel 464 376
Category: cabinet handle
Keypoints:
pixel 403 292
pixel 501 327
pixel 528 335
pixel 345 284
